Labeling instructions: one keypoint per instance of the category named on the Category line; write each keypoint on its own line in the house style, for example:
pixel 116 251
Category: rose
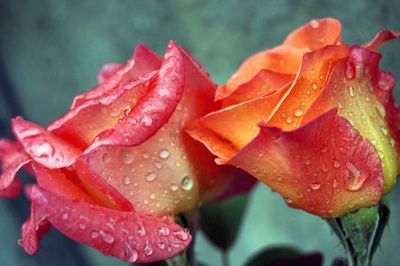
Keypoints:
pixel 313 118
pixel 115 169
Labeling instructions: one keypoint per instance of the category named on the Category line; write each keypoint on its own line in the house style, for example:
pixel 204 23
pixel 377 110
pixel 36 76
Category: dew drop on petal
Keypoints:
pixel 152 196
pixel 187 183
pixel 314 86
pixel 146 155
pixel 298 112
pixel 164 153
pixel 148 250
pixel 351 91
pixel 163 231
pixel 130 253
pixel 151 176
pixel 161 245
pixel 106 158
pixel 181 235
pixel 157 165
pixel 107 237
pixel 94 234
pixel 354 180
pixel 127 157
pixel 314 23
pixel 335 164
pixel 315 185
pixel 126 180
pixel 173 187
pixel 146 121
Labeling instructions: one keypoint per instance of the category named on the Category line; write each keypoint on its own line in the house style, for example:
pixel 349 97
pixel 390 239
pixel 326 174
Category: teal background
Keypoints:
pixel 51 50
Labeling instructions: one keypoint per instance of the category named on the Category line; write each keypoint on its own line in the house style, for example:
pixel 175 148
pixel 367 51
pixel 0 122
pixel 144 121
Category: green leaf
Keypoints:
pixel 284 256
pixel 220 221
pixel 360 232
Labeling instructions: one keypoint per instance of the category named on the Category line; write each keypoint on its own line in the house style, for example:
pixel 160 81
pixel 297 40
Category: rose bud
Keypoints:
pixel 113 172
pixel 313 118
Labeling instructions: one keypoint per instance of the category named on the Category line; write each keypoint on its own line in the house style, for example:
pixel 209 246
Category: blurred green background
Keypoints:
pixel 51 50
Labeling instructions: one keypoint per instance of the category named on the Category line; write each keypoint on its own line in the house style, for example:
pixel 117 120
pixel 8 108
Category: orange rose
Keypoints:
pixel 312 118
pixel 115 169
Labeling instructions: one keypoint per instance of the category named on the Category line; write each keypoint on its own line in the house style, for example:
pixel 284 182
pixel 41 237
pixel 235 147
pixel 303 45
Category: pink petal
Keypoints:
pixel 143 61
pixel 107 71
pixel 381 38
pixel 153 110
pixel 33 230
pixel 43 146
pixel 12 159
pixel 128 236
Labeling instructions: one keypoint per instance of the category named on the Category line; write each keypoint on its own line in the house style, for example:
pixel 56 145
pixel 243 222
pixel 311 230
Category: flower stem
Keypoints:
pixel 360 233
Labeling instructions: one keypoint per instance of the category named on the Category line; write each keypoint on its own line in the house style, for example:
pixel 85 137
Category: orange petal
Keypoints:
pixel 264 83
pixel 166 172
pixel 352 88
pixel 286 58
pixel 324 167
pixel 313 74
pixel 315 34
pixel 226 131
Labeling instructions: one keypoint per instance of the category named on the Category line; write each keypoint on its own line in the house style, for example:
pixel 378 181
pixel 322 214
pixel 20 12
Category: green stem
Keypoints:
pixel 360 233
pixel 225 258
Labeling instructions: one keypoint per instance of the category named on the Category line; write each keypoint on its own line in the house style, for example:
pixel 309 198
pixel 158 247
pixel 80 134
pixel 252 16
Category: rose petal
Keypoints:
pixel 352 88
pixel 313 74
pixel 154 109
pixel 12 159
pixel 315 34
pixel 107 71
pixel 286 58
pixel 142 62
pixel 62 182
pixel 128 236
pixel 283 58
pixel 264 83
pixel 165 173
pixel 324 167
pixel 381 38
pixel 226 131
pixel 43 146
pixel 33 230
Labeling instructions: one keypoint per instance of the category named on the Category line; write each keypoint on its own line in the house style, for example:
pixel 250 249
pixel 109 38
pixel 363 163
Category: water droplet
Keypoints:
pixel 106 157
pixel 289 201
pixel 141 230
pixel 353 178
pixel 314 23
pixel 181 235
pixel 42 150
pixel 335 164
pixel 307 162
pixel 157 165
pixel 334 183
pixel 82 226
pixel 64 216
pixel 146 155
pixel 127 157
pixel 298 112
pixel 187 183
pixel 161 245
pixel 107 237
pixel 152 196
pixel 350 70
pixel 173 187
pixel 148 250
pixel 151 176
pixel 127 111
pixel 130 253
pixel 308 92
pixel 383 130
pixel 163 231
pixel 351 91
pixel 324 168
pixel 94 234
pixel 288 120
pixel 146 121
pixel 164 153
pixel 314 86
pixel 381 111
pixel 126 180
pixel 391 141
pixel 315 186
